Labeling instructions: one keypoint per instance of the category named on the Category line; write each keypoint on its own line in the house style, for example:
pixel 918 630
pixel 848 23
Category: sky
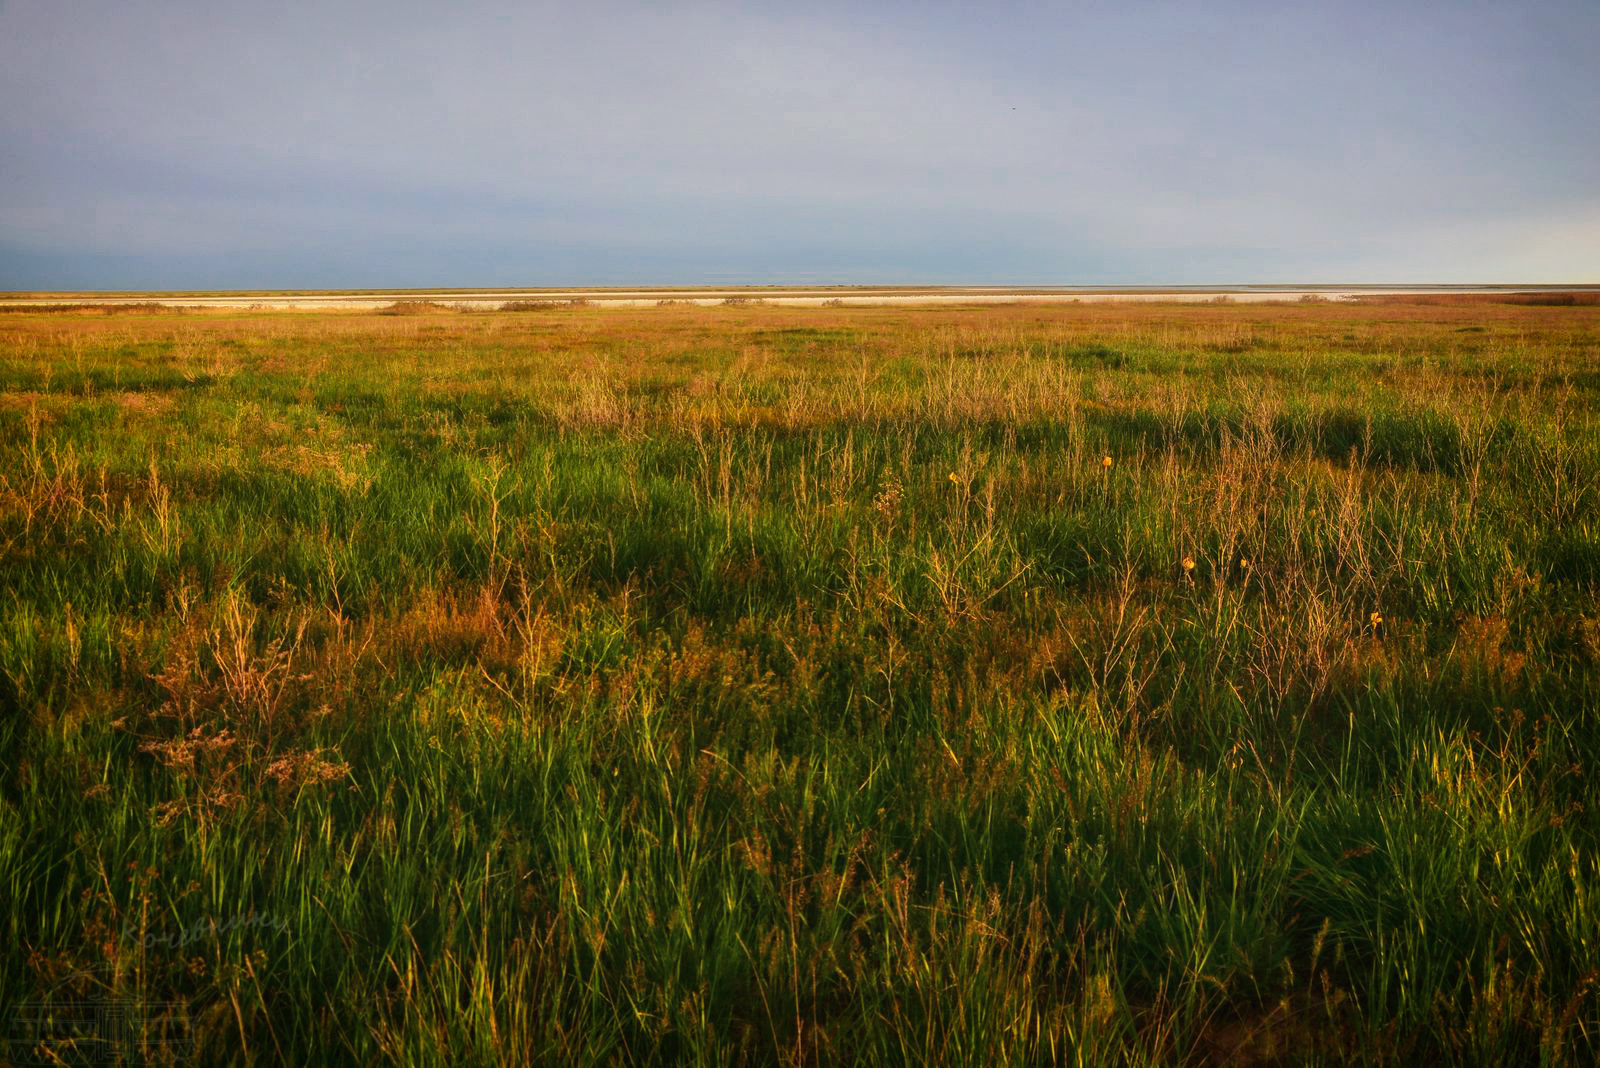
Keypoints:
pixel 225 145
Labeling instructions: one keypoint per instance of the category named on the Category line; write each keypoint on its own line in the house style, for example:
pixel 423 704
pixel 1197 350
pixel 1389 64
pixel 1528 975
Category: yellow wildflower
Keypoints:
pixel 1188 563
pixel 1105 462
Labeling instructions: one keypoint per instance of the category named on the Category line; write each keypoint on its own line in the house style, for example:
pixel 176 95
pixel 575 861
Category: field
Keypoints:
pixel 1098 684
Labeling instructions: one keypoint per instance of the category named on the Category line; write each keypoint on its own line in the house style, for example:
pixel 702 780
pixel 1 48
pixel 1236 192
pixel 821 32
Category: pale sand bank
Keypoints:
pixel 485 300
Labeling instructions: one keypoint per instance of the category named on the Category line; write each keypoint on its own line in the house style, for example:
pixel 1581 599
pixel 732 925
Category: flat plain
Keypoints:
pixel 1027 683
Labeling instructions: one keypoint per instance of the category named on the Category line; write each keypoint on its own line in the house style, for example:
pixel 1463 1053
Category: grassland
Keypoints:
pixel 1044 684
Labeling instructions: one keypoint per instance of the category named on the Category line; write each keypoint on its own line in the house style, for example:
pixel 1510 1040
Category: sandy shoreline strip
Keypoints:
pixel 797 296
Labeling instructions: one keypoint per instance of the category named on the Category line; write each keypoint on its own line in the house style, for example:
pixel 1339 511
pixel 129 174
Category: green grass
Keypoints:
pixel 754 684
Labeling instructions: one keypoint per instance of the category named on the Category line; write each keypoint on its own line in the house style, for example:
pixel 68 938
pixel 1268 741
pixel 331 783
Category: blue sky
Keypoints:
pixel 226 145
